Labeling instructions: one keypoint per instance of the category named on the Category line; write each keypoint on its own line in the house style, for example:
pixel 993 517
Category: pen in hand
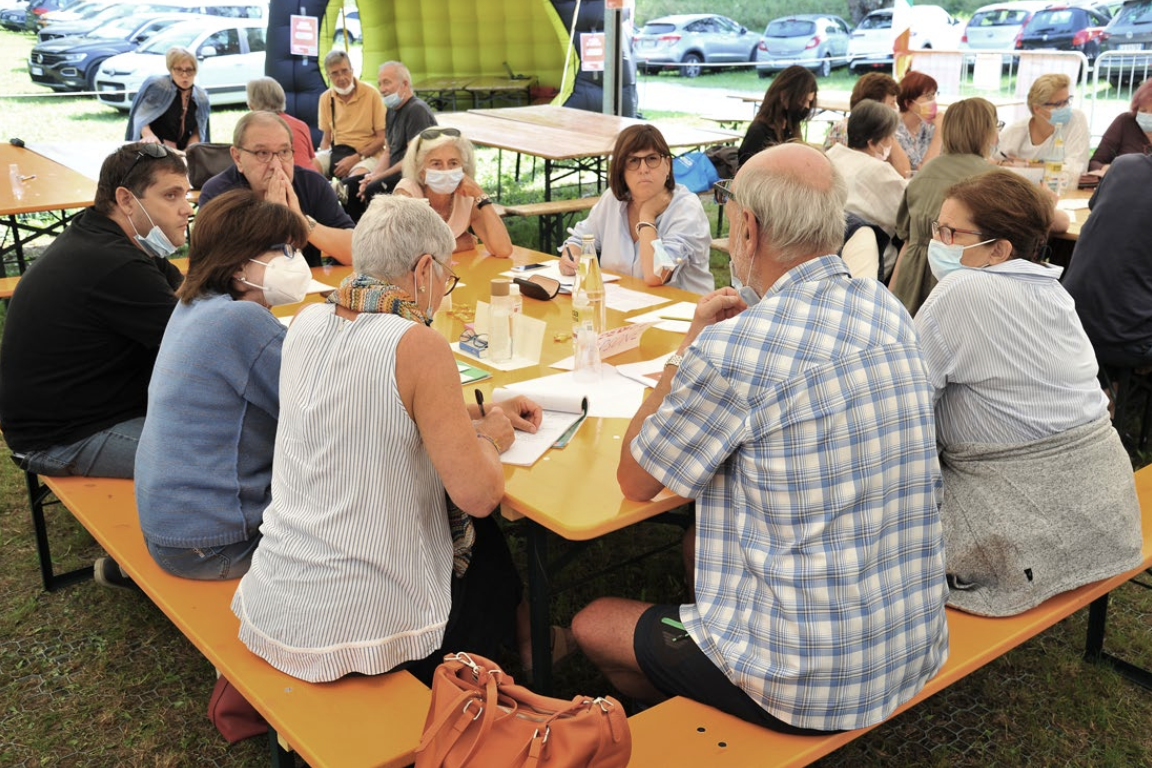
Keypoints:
pixel 480 402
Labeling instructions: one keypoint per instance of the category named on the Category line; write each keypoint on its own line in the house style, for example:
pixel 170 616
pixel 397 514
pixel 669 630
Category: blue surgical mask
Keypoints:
pixel 747 292
pixel 943 260
pixel 1144 120
pixel 392 100
pixel 1061 116
pixel 155 243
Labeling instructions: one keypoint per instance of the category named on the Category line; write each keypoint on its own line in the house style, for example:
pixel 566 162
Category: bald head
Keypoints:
pixel 798 198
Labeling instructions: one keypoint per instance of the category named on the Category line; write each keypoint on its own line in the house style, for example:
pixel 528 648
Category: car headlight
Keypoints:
pixel 72 58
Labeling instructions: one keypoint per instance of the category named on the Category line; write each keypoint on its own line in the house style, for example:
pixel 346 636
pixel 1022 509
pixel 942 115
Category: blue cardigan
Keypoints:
pixel 153 99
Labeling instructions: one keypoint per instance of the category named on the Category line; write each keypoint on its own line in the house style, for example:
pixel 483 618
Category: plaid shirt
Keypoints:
pixel 803 427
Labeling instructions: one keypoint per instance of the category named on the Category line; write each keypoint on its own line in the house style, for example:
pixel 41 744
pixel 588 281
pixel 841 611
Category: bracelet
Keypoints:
pixel 483 202
pixel 492 440
pixel 641 224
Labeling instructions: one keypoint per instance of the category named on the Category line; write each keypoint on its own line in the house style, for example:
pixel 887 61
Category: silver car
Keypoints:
pixel 686 41
pixel 814 41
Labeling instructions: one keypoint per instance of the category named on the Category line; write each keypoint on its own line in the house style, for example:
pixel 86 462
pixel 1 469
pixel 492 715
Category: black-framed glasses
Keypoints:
pixel 722 192
pixel 652 161
pixel 1058 104
pixel 285 248
pixel 946 234
pixel 451 281
pixel 264 156
pixel 152 151
pixel 428 134
pixel 183 71
pixel 474 340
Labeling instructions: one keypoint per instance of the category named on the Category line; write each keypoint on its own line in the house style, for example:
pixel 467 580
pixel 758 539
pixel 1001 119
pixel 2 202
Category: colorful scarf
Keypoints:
pixel 363 293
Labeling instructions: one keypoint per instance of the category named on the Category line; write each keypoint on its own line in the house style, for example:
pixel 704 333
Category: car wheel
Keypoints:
pixel 90 78
pixel 763 73
pixel 824 69
pixel 693 68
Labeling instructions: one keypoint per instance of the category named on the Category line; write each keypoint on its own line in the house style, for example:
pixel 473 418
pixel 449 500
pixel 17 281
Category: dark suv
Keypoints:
pixel 1065 28
pixel 1129 31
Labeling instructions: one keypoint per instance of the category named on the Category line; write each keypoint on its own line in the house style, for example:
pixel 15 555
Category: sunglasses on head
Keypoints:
pixel 152 151
pixel 538 287
pixel 434 133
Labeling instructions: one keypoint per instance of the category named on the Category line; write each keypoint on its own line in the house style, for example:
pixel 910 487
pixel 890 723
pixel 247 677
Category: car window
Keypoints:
pixel 1097 20
pixel 727 26
pixel 657 29
pixel 790 28
pixel 843 26
pixel 999 17
pixel 255 39
pixel 1052 21
pixel 183 35
pixel 1134 13
pixel 878 21
pixel 226 42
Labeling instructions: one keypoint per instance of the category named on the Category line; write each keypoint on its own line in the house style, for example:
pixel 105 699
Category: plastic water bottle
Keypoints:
pixel 588 289
pixel 587 352
pixel 500 323
pixel 517 301
pixel 1054 163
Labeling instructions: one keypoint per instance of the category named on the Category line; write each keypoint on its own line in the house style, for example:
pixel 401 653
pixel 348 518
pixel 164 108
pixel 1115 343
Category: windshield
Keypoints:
pixel 119 29
pixel 1001 17
pixel 657 29
pixel 790 28
pixel 1134 13
pixel 877 21
pixel 182 35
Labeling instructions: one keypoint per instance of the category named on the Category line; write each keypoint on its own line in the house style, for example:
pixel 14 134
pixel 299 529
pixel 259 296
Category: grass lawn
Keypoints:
pixel 92 677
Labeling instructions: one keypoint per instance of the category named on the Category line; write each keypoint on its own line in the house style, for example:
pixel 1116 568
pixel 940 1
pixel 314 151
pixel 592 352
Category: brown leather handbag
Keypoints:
pixel 480 717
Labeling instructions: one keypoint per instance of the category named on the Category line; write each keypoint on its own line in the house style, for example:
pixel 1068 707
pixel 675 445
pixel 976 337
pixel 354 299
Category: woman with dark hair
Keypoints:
pixel 1130 133
pixel 204 465
pixel 917 130
pixel 788 102
pixel 1016 390
pixel 645 224
pixel 881 88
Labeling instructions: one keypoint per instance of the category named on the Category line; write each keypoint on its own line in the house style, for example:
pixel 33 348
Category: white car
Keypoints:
pixel 995 27
pixel 870 46
pixel 229 52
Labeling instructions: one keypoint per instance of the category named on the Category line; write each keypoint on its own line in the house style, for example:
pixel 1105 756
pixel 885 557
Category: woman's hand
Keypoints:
pixel 497 426
pixel 149 139
pixel 523 413
pixel 469 188
pixel 569 260
pixel 654 206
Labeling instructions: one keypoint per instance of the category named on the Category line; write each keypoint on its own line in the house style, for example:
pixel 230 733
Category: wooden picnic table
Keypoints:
pixel 442 92
pixel 487 91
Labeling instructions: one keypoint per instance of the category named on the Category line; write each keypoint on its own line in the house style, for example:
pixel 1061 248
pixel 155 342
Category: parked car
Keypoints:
pixel 230 52
pixel 1065 28
pixel 870 46
pixel 812 40
pixel 351 22
pixel 14 18
pixel 996 27
pixel 692 39
pixel 81 10
pixel 71 63
pixel 1129 30
pixel 38 8
pixel 244 9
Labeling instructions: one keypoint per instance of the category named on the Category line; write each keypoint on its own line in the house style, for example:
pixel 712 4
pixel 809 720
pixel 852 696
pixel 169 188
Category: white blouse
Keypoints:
pixel 1016 140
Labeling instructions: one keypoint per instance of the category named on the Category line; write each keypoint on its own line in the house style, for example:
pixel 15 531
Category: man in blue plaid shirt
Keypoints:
pixel 801 423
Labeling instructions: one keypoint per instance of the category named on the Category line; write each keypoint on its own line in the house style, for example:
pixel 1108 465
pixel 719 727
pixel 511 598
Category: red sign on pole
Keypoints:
pixel 304 36
pixel 592 51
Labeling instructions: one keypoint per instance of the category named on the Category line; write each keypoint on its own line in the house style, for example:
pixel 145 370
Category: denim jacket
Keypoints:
pixel 154 97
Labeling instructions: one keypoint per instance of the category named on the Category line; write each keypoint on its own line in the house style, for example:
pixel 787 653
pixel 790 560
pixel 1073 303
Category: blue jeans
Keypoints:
pixel 108 453
pixel 230 561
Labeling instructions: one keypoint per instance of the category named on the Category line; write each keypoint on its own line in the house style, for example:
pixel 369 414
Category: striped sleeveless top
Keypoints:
pixel 353 572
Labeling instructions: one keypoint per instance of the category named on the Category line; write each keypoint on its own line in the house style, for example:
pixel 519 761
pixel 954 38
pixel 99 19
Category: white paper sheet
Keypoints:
pixel 613 396
pixel 318 287
pixel 560 413
pixel 681 312
pixel 646 372
pixel 551 269
pixel 623 299
pixel 527 340
pixel 611 343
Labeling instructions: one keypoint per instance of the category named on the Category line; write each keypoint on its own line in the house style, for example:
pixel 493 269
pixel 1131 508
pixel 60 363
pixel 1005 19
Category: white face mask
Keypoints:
pixel 345 91
pixel 443 182
pixel 155 243
pixel 286 280
pixel 885 152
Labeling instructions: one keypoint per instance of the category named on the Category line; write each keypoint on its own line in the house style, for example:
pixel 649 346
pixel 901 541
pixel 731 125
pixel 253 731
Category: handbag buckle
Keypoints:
pixel 479 708
pixel 547 733
pixel 605 705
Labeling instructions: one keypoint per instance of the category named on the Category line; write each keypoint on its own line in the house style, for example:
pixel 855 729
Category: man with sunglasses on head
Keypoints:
pixel 408 115
pixel 86 319
pixel 263 160
pixel 797 412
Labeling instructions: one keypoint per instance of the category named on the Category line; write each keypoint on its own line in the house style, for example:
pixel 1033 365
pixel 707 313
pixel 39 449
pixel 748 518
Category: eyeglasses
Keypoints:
pixel 1058 104
pixel 946 234
pixel 434 133
pixel 285 248
pixel 722 192
pixel 183 71
pixel 1000 125
pixel 652 161
pixel 264 156
pixel 153 151
pixel 474 340
pixel 451 281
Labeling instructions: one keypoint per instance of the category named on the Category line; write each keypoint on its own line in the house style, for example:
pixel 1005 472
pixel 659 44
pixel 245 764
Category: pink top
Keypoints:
pixel 301 140
pixel 458 221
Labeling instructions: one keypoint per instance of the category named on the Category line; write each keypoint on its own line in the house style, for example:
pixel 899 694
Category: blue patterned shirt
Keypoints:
pixel 803 428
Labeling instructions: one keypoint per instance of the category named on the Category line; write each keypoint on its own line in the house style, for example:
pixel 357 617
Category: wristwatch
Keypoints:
pixel 311 223
pixel 483 202
pixel 674 360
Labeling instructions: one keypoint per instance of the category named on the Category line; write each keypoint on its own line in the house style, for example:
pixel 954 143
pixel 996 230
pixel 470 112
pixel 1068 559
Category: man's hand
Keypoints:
pixel 713 308
pixel 280 191
pixel 345 166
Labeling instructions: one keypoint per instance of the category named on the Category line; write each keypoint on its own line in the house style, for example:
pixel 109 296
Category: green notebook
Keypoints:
pixel 469 373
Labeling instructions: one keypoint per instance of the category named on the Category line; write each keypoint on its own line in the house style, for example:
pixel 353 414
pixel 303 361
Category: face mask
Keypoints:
pixel 747 292
pixel 945 259
pixel 443 182
pixel 155 243
pixel 286 280
pixel 798 114
pixel 392 100
pixel 345 91
pixel 1060 116
pixel 885 152
pixel 927 110
pixel 1144 120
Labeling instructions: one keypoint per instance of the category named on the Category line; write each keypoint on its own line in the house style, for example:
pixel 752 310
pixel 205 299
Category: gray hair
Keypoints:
pixel 796 217
pixel 257 117
pixel 405 75
pixel 419 148
pixel 870 121
pixel 265 94
pixel 335 55
pixel 394 233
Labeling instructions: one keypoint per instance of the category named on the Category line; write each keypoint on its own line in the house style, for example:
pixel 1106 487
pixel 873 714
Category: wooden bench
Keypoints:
pixel 553 217
pixel 680 731
pixel 358 721
pixel 720 244
pixel 7 286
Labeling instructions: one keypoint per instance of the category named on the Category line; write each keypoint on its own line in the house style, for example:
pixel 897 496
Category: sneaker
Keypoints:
pixel 108 574
pixel 341 190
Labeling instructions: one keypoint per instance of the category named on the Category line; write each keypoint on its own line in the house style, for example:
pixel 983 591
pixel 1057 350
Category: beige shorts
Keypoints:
pixel 324 156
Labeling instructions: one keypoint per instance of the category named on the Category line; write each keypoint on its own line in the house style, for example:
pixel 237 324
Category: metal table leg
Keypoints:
pixel 539 608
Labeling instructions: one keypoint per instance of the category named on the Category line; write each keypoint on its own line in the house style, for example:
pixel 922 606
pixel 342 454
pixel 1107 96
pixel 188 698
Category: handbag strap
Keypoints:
pixel 489 717
pixel 461 710
pixel 332 103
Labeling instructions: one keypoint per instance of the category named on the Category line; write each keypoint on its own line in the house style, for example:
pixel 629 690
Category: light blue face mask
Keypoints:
pixel 943 260
pixel 392 100
pixel 155 243
pixel 1144 120
pixel 1061 116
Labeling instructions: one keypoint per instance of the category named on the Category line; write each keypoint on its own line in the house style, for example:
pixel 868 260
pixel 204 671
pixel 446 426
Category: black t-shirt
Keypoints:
pixel 404 124
pixel 81 336
pixel 173 125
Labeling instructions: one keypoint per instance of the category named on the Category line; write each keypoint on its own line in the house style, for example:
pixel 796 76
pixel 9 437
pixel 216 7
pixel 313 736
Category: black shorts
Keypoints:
pixel 672 662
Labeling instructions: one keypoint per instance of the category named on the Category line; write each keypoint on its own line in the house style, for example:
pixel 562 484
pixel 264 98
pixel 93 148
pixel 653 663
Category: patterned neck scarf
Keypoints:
pixel 363 293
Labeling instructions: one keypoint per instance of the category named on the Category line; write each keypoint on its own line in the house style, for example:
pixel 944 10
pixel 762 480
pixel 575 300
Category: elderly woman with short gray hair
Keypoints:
pixel 267 95
pixel 378 552
pixel 171 109
pixel 440 167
